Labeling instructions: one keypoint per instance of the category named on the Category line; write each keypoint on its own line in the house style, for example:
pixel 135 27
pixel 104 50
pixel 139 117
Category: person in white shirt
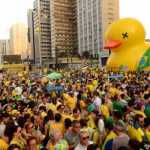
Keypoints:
pixel 84 141
pixel 97 100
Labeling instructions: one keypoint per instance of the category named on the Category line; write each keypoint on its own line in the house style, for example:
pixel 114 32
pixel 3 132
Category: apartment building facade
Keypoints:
pixel 93 18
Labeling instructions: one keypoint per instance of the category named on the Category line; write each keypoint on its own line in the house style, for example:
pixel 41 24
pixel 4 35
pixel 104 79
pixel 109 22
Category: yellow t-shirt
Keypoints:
pixel 110 136
pixel 52 107
pixel 136 134
pixel 3 145
pixel 70 101
pixel 114 91
pixel 104 110
pixel 91 122
pixel 19 142
pixel 148 135
pixel 51 146
pixel 57 126
pixel 53 94
pixel 83 104
pixel 96 137
pixel 65 116
pixel 90 87
pixel 95 83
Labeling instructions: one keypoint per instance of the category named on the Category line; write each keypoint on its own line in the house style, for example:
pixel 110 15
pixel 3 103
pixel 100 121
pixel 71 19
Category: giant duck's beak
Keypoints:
pixel 110 44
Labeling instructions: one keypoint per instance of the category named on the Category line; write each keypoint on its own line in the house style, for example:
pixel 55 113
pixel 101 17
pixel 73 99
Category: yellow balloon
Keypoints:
pixel 125 38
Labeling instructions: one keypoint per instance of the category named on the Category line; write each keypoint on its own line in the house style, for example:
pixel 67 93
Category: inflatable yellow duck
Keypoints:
pixel 126 40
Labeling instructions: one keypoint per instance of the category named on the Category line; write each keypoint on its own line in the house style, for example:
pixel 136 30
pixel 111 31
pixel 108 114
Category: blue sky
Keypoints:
pixel 12 11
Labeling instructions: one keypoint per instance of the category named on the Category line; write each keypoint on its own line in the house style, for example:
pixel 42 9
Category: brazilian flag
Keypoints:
pixel 145 61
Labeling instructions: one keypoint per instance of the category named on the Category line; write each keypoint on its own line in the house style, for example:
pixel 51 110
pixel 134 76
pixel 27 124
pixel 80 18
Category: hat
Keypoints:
pixel 90 107
pixel 117 106
pixel 109 122
pixel 15 112
pixel 140 113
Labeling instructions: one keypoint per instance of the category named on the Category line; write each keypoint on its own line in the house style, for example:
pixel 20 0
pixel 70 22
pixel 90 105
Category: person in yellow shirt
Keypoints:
pixel 13 147
pixel 76 114
pixel 70 100
pixel 17 138
pixel 136 131
pixel 52 107
pixel 135 134
pixel 90 87
pixel 114 91
pixel 112 135
pixel 3 144
pixel 32 144
pixel 91 122
pixel 95 82
pixel 57 124
pixel 104 108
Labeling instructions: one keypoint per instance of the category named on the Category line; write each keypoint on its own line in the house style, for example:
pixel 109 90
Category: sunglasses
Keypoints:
pixel 84 138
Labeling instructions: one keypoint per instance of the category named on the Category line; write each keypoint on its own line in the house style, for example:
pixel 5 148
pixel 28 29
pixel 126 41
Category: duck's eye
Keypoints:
pixel 125 35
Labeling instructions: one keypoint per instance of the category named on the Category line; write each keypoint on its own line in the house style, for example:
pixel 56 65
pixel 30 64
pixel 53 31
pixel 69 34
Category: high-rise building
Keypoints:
pixel 93 17
pixel 31 45
pixel 63 27
pixel 55 29
pixel 18 40
pixel 42 34
pixel 4 48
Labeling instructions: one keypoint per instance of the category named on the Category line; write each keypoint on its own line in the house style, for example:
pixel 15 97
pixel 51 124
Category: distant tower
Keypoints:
pixel 4 48
pixel 18 40
pixel 31 42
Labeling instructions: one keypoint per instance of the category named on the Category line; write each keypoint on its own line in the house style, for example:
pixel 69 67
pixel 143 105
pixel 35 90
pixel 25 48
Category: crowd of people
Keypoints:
pixel 87 109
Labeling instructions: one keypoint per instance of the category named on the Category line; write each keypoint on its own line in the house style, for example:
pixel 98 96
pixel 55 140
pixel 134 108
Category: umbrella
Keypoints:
pixel 54 75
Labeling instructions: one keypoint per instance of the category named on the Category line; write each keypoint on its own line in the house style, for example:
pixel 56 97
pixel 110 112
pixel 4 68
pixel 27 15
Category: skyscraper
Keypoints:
pixel 63 27
pixel 18 40
pixel 31 45
pixel 4 48
pixel 42 32
pixel 93 17
pixel 55 29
